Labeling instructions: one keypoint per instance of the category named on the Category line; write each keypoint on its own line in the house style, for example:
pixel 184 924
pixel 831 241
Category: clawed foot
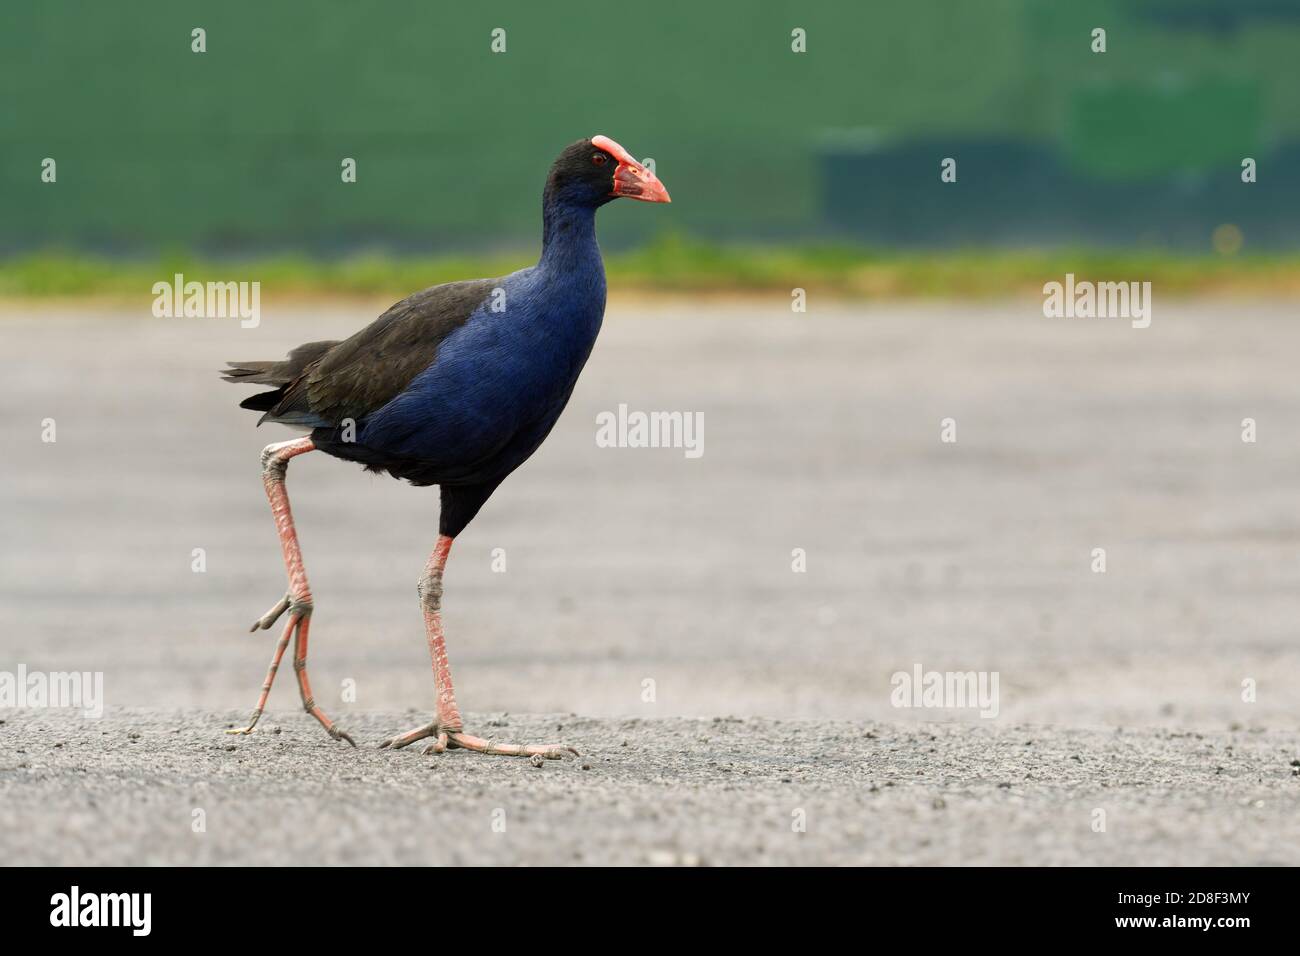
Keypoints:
pixel 341 735
pixel 455 740
pixel 295 629
pixel 334 732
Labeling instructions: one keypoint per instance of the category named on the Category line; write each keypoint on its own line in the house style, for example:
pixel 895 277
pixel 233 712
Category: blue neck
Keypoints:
pixel 569 239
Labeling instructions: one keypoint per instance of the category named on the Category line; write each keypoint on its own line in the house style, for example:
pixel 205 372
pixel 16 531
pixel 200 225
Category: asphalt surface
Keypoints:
pixel 651 593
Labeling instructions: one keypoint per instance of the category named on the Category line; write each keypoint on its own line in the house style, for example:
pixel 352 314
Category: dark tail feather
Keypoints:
pixel 281 374
pixel 277 373
pixel 262 401
pixel 252 373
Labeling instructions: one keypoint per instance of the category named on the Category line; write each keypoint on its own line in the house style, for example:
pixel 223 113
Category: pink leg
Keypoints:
pixel 275 463
pixel 304 685
pixel 430 589
pixel 298 602
pixel 447 726
pixel 270 679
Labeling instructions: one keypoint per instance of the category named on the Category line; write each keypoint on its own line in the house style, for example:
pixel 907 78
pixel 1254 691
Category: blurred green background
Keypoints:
pixel 237 151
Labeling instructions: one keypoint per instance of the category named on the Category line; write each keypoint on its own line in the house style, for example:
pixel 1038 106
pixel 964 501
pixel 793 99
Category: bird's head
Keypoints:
pixel 593 171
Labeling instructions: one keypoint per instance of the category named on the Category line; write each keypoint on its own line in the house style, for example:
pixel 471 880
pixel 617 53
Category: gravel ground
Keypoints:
pixel 642 588
pixel 125 790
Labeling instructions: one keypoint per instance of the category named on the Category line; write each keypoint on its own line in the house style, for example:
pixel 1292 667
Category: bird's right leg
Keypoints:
pixel 297 601
pixel 446 728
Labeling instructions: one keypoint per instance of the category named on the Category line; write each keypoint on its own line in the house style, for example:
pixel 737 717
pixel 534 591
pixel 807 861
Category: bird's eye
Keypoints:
pixel 598 159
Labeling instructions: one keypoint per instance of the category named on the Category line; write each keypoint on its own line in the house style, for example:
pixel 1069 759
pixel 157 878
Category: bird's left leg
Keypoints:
pixel 446 727
pixel 304 685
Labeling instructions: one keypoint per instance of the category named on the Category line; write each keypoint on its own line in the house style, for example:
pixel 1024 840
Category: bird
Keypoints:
pixel 455 386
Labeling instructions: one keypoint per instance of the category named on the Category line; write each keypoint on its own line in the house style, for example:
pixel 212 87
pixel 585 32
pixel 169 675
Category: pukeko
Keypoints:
pixel 454 386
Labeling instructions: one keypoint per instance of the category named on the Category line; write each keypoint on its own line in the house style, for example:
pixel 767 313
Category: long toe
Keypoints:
pixel 439 745
pixel 267 620
pixel 479 745
pixel 410 737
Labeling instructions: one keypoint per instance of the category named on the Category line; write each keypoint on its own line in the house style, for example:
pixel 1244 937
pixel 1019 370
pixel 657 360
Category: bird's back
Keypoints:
pixel 458 383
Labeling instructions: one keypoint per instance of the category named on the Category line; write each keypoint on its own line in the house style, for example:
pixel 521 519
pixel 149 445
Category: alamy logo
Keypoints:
pixel 84 689
pixel 103 909
pixel 955 690
pixel 626 429
pixel 1100 300
pixel 179 299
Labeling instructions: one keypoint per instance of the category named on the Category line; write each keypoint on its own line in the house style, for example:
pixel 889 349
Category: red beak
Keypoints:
pixel 631 179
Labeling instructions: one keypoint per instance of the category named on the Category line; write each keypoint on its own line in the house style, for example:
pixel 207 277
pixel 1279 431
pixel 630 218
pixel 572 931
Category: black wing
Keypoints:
pixel 323 383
